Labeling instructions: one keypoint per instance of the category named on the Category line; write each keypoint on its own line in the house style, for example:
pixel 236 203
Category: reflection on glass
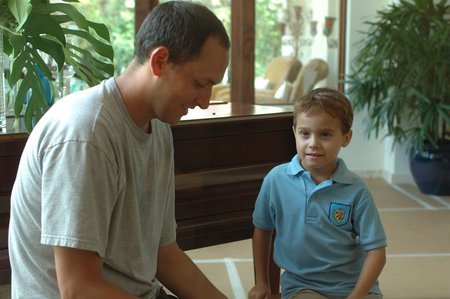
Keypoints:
pixel 304 31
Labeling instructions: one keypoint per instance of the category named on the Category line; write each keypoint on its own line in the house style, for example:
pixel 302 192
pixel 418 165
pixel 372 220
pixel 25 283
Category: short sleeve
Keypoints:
pixel 262 216
pixel 368 223
pixel 83 197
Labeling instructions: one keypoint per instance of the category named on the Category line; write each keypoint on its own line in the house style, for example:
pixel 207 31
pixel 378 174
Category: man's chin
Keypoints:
pixel 174 121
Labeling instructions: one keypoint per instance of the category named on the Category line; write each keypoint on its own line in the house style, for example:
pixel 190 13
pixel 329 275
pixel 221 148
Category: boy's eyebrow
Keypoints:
pixel 325 129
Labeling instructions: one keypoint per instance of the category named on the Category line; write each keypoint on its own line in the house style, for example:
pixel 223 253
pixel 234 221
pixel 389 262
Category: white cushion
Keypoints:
pixel 284 91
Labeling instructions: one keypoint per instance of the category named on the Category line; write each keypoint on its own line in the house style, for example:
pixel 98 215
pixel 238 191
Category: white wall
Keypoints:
pixel 364 156
pixel 370 157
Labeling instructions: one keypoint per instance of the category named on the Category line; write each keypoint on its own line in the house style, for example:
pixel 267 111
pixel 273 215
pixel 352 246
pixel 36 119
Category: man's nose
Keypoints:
pixel 204 98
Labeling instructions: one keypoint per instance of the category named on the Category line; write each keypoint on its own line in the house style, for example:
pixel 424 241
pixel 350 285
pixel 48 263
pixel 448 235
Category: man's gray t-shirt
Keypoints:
pixel 89 178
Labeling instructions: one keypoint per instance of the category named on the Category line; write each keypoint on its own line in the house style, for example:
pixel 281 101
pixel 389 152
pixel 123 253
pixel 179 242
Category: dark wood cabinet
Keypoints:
pixel 221 157
pixel 11 147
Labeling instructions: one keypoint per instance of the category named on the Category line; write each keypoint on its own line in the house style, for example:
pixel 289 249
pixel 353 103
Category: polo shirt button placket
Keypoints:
pixel 311 215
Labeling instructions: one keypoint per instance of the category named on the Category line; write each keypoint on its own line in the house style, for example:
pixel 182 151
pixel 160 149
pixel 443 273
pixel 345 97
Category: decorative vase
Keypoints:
pixel 431 169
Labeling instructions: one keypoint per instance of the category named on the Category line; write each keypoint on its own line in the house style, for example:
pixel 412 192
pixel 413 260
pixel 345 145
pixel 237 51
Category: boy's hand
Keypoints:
pixel 259 292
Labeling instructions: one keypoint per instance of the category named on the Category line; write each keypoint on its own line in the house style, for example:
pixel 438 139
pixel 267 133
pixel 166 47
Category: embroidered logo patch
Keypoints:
pixel 339 213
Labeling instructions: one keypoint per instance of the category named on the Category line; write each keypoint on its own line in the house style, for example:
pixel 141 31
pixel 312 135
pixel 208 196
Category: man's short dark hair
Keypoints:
pixel 180 26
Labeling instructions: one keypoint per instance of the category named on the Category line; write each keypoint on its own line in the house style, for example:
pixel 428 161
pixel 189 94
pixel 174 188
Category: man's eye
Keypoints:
pixel 199 84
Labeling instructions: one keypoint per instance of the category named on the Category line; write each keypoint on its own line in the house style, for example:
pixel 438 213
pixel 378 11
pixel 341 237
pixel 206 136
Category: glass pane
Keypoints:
pixel 222 9
pixel 296 48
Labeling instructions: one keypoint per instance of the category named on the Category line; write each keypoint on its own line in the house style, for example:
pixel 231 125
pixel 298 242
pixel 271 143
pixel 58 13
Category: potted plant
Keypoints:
pixel 36 28
pixel 401 77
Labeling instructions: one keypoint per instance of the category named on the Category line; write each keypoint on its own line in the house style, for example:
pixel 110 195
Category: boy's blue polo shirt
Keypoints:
pixel 322 231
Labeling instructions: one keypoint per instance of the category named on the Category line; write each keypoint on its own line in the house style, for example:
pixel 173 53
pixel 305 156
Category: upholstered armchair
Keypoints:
pixel 314 71
pixel 278 70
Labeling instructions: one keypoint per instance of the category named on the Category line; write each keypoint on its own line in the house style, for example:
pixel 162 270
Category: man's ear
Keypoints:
pixel 159 58
pixel 347 138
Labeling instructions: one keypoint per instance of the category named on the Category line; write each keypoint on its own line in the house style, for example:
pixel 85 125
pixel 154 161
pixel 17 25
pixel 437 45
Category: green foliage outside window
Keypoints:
pixel 267 34
pixel 118 16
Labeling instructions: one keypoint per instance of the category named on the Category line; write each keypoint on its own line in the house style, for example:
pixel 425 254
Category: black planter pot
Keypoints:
pixel 431 169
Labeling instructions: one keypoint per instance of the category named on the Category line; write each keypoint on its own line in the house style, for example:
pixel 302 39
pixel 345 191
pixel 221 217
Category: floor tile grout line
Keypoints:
pixel 418 255
pixel 389 255
pixel 235 279
pixel 411 209
pixel 440 200
pixel 222 260
pixel 413 197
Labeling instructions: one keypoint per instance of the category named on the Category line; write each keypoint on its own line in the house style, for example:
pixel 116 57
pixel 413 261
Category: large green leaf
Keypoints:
pixel 102 48
pixel 100 29
pixel 44 30
pixel 66 9
pixel 39 24
pixel 54 49
pixel 20 9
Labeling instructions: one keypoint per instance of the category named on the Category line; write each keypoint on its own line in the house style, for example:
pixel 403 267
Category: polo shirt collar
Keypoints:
pixel 341 175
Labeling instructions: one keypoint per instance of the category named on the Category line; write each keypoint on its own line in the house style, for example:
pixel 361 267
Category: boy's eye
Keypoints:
pixel 303 133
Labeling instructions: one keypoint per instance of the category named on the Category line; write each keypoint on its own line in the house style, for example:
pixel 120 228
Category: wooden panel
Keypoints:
pixel 242 51
pixel 4 222
pixel 220 164
pixel 11 147
pixel 10 151
pixel 5 268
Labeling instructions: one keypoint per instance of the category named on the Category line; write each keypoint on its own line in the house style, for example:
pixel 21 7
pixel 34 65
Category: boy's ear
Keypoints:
pixel 347 138
pixel 159 58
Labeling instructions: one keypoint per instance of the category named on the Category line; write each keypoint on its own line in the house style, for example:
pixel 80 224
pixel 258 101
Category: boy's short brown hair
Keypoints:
pixel 332 101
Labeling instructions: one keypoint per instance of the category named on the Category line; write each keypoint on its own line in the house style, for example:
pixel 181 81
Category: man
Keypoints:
pixel 92 209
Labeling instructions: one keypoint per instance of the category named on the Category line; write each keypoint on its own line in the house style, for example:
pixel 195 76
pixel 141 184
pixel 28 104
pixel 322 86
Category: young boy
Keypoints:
pixel 329 237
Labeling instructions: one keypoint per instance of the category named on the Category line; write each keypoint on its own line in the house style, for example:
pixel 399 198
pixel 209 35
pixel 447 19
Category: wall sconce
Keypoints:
pixel 313 28
pixel 291 23
pixel 328 30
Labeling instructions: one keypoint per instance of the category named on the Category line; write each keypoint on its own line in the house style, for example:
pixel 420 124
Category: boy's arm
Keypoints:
pixel 373 264
pixel 262 240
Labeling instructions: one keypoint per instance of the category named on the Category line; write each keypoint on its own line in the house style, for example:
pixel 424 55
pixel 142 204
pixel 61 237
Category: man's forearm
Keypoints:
pixel 180 275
